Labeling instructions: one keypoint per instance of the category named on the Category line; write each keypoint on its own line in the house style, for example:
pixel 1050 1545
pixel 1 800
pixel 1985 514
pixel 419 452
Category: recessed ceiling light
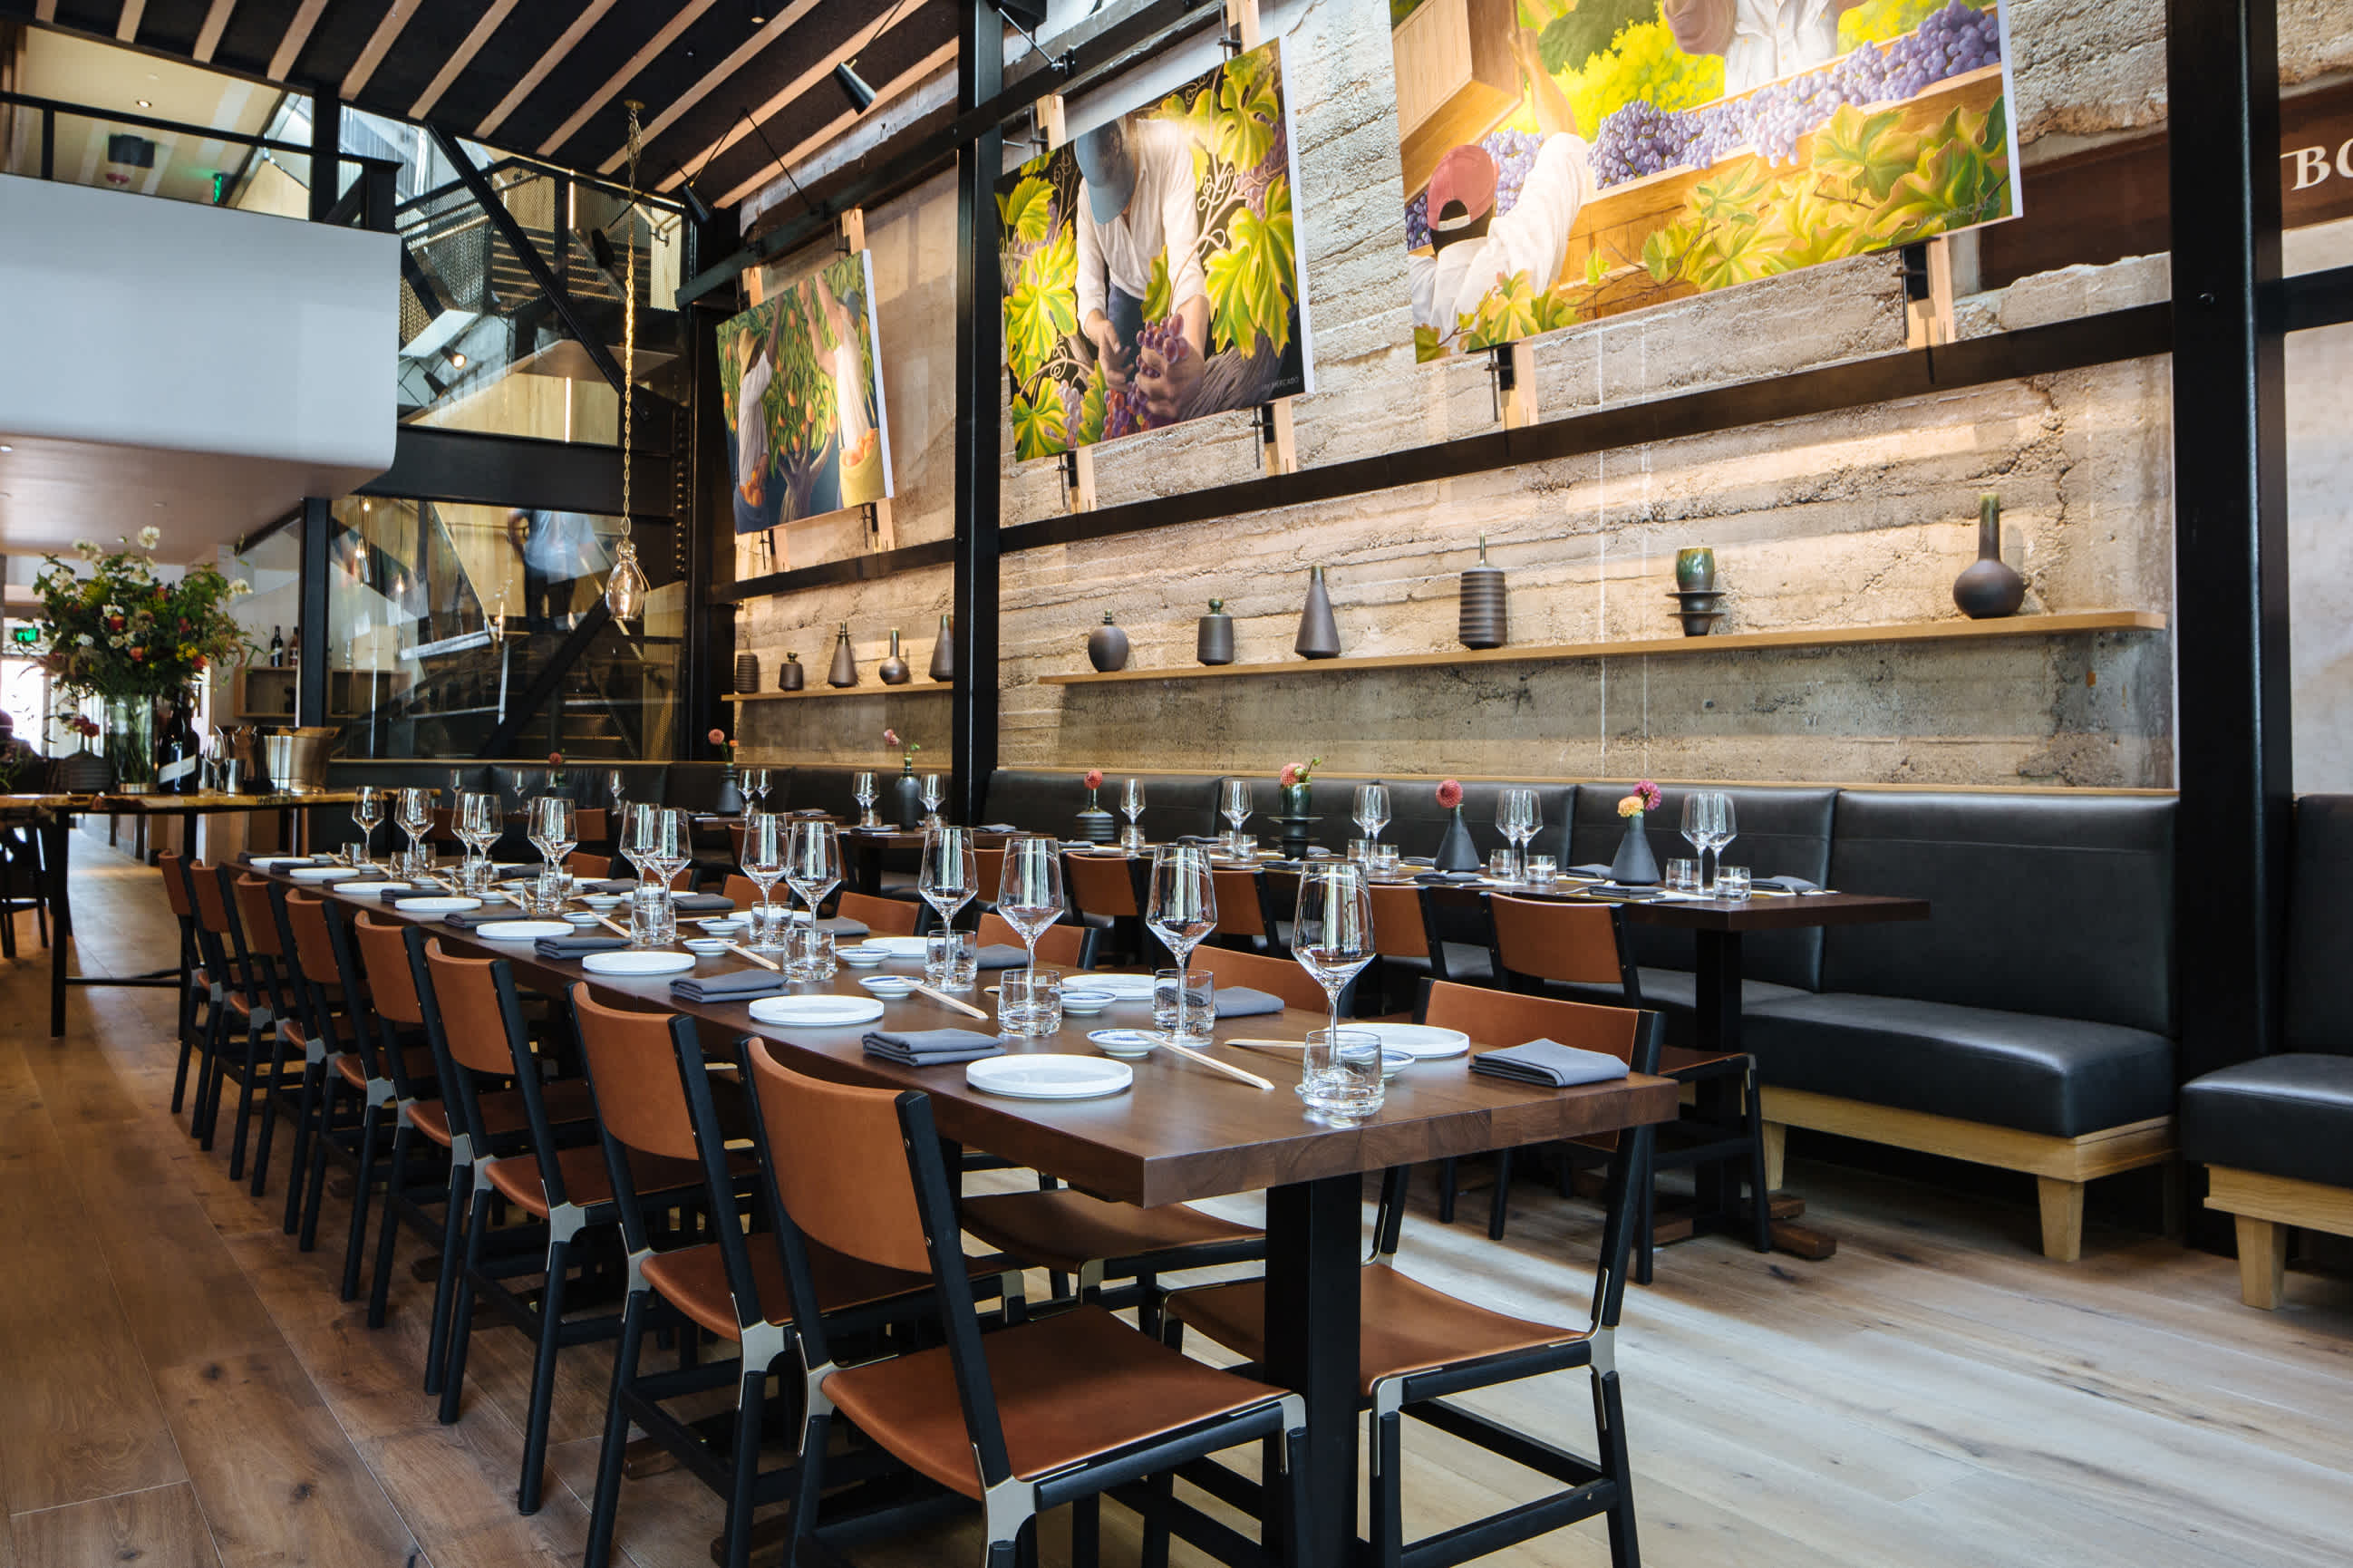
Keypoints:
pixel 5 447
pixel 144 104
pixel 159 506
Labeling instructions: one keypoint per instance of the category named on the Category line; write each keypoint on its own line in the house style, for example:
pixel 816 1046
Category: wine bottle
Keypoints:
pixel 276 647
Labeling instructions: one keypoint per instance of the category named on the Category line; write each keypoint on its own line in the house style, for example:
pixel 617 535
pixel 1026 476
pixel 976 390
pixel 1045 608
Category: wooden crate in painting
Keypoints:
pixel 1456 79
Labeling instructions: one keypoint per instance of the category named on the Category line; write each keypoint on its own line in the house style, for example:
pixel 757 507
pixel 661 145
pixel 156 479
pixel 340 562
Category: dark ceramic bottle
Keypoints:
pixel 1215 643
pixel 844 662
pixel 1987 589
pixel 944 652
pixel 1107 646
pixel 1319 634
pixel 893 669
pixel 790 676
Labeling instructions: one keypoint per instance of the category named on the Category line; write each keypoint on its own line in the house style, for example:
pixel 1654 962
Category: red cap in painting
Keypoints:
pixel 1466 176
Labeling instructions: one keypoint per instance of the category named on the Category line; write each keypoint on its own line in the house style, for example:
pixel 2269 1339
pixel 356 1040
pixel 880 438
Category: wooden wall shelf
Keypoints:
pixel 1545 653
pixel 862 689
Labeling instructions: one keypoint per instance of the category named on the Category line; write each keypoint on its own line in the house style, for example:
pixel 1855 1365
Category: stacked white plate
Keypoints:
pixel 817 1012
pixel 633 962
pixel 1417 1040
pixel 1049 1077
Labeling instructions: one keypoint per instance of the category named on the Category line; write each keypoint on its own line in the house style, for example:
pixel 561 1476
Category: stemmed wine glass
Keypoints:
pixel 554 828
pixel 1236 807
pixel 862 789
pixel 1130 805
pixel 1519 815
pixel 416 819
pixel 660 841
pixel 1331 936
pixel 1182 910
pixel 1029 889
pixel 949 877
pixel 812 862
pixel 1372 812
pixel 754 787
pixel 632 826
pixel 764 863
pixel 478 827
pixel 934 791
pixel 616 791
pixel 1709 825
pixel 368 810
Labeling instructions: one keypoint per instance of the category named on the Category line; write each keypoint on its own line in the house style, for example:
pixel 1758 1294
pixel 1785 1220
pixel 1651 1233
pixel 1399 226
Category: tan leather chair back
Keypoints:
pixel 633 1066
pixel 1574 944
pixel 1276 976
pixel 383 957
pixel 840 1163
pixel 469 1001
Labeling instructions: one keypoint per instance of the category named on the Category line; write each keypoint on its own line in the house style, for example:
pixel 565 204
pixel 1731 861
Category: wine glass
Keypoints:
pixel 861 790
pixel 1697 809
pixel 416 819
pixel 1236 807
pixel 1528 820
pixel 368 810
pixel 1372 813
pixel 478 827
pixel 812 862
pixel 1029 889
pixel 1510 805
pixel 626 842
pixel 616 791
pixel 764 863
pixel 1723 828
pixel 554 828
pixel 1182 909
pixel 934 791
pixel 1130 805
pixel 949 877
pixel 755 787
pixel 1331 936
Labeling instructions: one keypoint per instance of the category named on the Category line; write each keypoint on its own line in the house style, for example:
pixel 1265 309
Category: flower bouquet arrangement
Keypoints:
pixel 1634 865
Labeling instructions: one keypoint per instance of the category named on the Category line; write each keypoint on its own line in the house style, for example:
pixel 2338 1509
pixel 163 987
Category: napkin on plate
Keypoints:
pixel 1600 871
pixel 734 985
pixel 702 903
pixel 1241 1001
pixel 1438 878
pixel 1418 861
pixel 579 946
pixel 610 885
pixel 931 1048
pixel 1786 884
pixel 1001 955
pixel 1550 1063
pixel 466 920
pixel 996 827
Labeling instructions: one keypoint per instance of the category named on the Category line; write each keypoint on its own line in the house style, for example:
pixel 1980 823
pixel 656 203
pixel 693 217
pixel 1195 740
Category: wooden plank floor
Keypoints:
pixel 178 1387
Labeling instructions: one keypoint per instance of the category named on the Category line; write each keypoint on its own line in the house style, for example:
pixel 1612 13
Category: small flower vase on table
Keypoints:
pixel 907 797
pixel 1095 824
pixel 1455 851
pixel 1634 865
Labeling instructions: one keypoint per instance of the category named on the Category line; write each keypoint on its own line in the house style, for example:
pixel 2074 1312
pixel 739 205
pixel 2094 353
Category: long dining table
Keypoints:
pixel 1181 1133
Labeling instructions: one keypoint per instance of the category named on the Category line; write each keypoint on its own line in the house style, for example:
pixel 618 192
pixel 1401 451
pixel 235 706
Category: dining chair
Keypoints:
pixel 249 1002
pixel 1399 937
pixel 1278 976
pixel 399 1081
pixel 1458 934
pixel 1064 944
pixel 588 867
pixel 556 1180
pixel 195 985
pixel 1041 1414
pixel 988 870
pixel 657 1104
pixel 316 1028
pixel 1245 924
pixel 1540 942
pixel 275 1086
pixel 1101 892
pixel 879 916
pixel 1418 1345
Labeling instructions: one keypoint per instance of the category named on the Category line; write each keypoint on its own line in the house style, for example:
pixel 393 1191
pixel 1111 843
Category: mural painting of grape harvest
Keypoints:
pixel 1566 160
pixel 802 379
pixel 1150 266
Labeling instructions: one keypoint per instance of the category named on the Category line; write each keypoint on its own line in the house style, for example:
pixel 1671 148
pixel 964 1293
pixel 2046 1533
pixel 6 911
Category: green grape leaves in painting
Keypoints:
pixel 1507 314
pixel 1027 210
pixel 1093 408
pixel 1250 280
pixel 1865 151
pixel 1577 35
pixel 1156 302
pixel 1954 183
pixel 1248 110
pixel 1038 422
pixel 1044 306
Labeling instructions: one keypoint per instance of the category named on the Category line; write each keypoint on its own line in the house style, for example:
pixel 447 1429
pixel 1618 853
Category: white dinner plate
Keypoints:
pixel 437 906
pixel 522 931
pixel 267 862
pixel 634 962
pixel 1417 1040
pixel 378 889
pixel 817 1012
pixel 321 873
pixel 895 946
pixel 1049 1077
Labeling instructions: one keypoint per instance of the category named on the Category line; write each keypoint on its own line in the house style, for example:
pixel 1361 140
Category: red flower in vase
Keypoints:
pixel 1093 779
pixel 1450 795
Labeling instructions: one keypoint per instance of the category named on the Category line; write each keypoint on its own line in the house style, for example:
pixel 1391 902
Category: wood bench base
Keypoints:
pixel 2059 1165
pixel 2265 1208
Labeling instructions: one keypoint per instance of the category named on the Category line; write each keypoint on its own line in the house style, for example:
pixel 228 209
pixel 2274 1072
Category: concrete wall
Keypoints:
pixel 1817 524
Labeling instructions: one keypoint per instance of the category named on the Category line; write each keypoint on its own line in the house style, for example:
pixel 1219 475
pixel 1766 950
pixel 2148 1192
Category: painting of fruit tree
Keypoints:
pixel 1566 160
pixel 1150 266
pixel 801 374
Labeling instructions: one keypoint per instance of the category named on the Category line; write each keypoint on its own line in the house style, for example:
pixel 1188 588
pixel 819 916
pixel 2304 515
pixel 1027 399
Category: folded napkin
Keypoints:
pixel 1198 838
pixel 1241 1001
pixel 611 885
pixel 1435 879
pixel 735 985
pixel 1001 955
pixel 702 903
pixel 1550 1063
pixel 466 920
pixel 1786 884
pixel 1418 861
pixel 996 827
pixel 842 926
pixel 1600 871
pixel 248 858
pixel 579 946
pixel 931 1048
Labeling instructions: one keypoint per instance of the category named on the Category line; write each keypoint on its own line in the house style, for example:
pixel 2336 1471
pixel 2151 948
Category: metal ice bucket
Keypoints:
pixel 296 758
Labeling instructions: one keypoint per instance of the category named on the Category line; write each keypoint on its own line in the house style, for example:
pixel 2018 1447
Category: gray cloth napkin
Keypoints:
pixel 1439 878
pixel 466 920
pixel 702 903
pixel 610 885
pixel 999 955
pixel 1588 871
pixel 996 827
pixel 842 926
pixel 1241 1001
pixel 578 946
pixel 1550 1063
pixel 735 985
pixel 1786 884
pixel 931 1048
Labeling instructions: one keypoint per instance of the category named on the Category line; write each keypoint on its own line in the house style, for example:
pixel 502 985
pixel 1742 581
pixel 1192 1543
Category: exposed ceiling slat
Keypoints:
pixel 379 44
pixel 589 16
pixel 460 58
pixel 713 78
pixel 297 33
pixel 817 71
pixel 215 22
pixel 46 11
pixel 127 30
pixel 905 81
pixel 620 78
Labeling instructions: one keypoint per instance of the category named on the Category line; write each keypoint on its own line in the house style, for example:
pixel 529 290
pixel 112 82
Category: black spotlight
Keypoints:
pixel 853 87
pixel 696 207
pixel 601 250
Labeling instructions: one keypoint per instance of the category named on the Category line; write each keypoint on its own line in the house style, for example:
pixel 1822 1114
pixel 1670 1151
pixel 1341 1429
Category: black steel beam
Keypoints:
pixel 706 668
pixel 591 341
pixel 2318 299
pixel 462 467
pixel 547 681
pixel 980 389
pixel 2232 700
pixel 311 638
pixel 867 568
pixel 326 152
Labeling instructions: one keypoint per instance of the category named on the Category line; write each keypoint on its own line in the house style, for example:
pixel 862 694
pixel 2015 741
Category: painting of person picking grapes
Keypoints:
pixel 802 396
pixel 1150 266
pixel 1566 160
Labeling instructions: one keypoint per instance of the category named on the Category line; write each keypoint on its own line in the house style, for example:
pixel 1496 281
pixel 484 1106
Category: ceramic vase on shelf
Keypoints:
pixel 790 676
pixel 1107 646
pixel 1319 634
pixel 747 672
pixel 1699 603
pixel 1696 570
pixel 1095 824
pixel 1634 865
pixel 844 662
pixel 907 797
pixel 1483 622
pixel 1987 589
pixel 893 669
pixel 1455 850
pixel 1215 644
pixel 944 652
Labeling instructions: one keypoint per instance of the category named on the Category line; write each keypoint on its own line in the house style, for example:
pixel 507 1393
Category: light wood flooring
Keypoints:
pixel 178 1387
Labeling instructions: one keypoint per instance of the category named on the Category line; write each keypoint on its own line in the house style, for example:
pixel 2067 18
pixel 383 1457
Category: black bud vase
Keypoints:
pixel 893 669
pixel 1319 634
pixel 1455 851
pixel 1987 589
pixel 1215 644
pixel 944 652
pixel 1634 865
pixel 1107 646
pixel 845 663
pixel 1483 622
pixel 907 797
pixel 790 676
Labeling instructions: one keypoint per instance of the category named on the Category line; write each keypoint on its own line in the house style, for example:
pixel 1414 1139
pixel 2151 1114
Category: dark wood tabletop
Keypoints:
pixel 1762 912
pixel 1182 1131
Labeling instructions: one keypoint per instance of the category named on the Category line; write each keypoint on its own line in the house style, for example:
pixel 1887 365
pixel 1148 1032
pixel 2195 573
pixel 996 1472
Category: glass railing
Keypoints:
pixel 143 156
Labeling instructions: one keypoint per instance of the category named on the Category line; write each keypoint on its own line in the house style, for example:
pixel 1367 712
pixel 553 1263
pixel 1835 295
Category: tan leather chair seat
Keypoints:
pixel 586 1181
pixel 1069 1387
pixel 415 1063
pixel 566 1100
pixel 1407 1326
pixel 1063 1229
pixel 694 1280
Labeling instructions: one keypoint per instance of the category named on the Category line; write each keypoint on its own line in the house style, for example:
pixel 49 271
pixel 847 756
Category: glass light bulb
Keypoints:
pixel 625 590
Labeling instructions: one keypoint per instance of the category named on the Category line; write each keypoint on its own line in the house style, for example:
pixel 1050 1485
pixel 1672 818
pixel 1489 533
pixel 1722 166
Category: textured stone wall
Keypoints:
pixel 1817 524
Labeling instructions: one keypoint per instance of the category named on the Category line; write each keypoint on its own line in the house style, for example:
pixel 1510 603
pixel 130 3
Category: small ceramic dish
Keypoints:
pixel 605 900
pixel 583 919
pixel 1086 1003
pixel 888 986
pixel 1124 1042
pixel 1395 1062
pixel 722 925
pixel 858 957
pixel 703 946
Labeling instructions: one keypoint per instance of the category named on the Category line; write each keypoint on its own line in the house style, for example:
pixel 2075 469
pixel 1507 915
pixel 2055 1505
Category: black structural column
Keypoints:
pixel 2230 628
pixel 979 390
pixel 326 152
pixel 311 638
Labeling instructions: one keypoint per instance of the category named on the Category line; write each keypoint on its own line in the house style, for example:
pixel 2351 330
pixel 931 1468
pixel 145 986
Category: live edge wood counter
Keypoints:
pixel 1182 1132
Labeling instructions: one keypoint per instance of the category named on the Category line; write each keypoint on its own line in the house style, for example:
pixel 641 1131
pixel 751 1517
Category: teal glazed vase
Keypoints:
pixel 1696 570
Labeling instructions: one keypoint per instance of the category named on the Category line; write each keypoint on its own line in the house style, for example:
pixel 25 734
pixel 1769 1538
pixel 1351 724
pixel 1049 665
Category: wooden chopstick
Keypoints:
pixel 1189 1054
pixel 1277 1045
pixel 607 923
pixel 737 947
pixel 944 999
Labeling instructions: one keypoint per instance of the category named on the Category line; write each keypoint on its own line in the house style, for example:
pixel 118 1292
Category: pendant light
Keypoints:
pixel 625 586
